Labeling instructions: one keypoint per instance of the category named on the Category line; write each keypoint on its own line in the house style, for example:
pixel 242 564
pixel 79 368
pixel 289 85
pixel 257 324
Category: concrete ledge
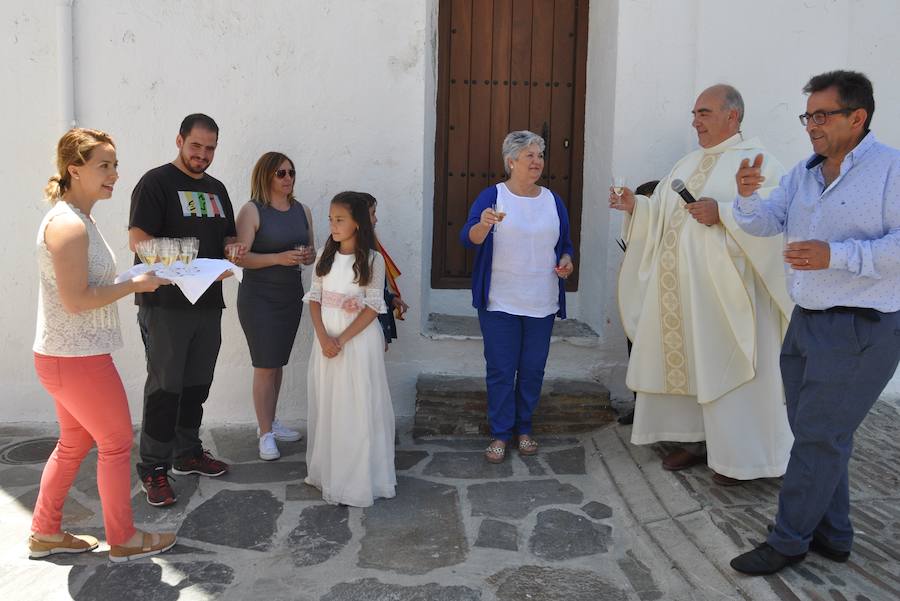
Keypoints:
pixel 441 326
pixel 457 405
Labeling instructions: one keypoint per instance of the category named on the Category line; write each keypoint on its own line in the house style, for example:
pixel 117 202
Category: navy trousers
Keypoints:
pixel 834 366
pixel 515 352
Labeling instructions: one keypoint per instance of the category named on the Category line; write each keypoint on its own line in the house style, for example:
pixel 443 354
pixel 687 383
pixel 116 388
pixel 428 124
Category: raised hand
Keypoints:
pixel 749 177
pixel 625 202
pixel 489 217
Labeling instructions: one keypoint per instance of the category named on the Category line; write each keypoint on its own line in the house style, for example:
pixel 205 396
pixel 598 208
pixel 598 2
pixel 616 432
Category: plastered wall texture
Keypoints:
pixel 347 89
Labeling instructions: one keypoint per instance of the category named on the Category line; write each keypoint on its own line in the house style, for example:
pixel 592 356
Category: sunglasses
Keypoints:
pixel 282 172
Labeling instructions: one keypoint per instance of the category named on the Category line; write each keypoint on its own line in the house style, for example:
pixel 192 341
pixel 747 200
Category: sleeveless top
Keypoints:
pixel 278 231
pixel 63 334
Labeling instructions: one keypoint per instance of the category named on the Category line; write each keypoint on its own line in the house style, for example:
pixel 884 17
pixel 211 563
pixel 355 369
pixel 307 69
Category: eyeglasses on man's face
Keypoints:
pixel 820 117
pixel 282 172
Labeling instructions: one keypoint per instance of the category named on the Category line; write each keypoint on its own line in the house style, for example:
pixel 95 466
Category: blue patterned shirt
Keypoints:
pixel 858 215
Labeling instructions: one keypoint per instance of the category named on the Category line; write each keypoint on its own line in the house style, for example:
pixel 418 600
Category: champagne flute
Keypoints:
pixel 148 251
pixel 500 212
pixel 189 249
pixel 618 185
pixel 168 252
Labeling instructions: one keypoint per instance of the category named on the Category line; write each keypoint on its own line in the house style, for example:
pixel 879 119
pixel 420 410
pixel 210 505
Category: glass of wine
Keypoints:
pixel 231 251
pixel 147 251
pixel 189 249
pixel 618 185
pixel 168 251
pixel 500 211
pixel 305 249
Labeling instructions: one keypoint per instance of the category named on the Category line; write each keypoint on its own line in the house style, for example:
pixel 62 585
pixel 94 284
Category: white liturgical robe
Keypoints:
pixel 706 309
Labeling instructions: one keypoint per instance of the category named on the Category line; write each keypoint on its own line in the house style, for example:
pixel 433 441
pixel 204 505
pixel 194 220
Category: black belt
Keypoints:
pixel 866 313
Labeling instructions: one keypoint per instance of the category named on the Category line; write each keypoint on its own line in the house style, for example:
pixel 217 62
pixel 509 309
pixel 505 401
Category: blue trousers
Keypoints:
pixel 834 367
pixel 515 352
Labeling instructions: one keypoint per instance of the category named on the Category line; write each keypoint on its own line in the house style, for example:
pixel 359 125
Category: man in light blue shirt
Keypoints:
pixel 840 212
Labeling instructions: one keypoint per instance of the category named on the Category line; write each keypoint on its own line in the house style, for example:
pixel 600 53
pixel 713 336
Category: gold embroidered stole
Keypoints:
pixel 670 306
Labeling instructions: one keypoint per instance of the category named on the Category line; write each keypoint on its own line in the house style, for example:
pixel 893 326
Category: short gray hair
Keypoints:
pixel 517 141
pixel 733 101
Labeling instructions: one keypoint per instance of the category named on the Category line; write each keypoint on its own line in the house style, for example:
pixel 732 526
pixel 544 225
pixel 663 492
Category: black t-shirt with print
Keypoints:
pixel 167 203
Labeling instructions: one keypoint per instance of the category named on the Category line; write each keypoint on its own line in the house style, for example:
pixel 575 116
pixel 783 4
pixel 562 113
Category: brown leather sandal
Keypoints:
pixel 121 553
pixel 496 452
pixel 528 446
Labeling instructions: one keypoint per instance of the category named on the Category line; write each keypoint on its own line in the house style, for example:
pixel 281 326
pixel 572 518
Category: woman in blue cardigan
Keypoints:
pixel 518 287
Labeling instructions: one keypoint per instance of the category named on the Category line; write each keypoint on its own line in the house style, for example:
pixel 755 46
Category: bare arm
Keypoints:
pixel 330 346
pixel 135 235
pixel 311 258
pixel 359 324
pixel 67 241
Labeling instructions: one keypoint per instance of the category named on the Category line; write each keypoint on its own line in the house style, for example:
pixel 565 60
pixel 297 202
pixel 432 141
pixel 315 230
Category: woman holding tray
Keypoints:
pixel 77 328
pixel 277 229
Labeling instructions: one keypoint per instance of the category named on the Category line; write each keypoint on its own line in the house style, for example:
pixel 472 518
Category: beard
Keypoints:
pixel 186 161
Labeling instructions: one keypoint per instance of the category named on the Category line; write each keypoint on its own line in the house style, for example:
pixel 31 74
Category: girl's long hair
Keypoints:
pixel 358 205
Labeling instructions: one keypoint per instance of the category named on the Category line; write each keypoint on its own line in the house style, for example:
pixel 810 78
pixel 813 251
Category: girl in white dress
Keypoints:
pixel 350 451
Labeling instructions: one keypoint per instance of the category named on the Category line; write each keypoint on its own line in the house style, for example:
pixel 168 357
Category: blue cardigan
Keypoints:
pixel 484 255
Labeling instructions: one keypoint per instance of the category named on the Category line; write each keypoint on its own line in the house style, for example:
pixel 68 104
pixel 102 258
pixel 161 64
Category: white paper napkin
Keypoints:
pixel 193 281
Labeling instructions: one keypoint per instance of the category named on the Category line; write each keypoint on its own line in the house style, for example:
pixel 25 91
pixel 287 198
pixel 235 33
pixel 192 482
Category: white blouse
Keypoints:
pixel 63 334
pixel 523 281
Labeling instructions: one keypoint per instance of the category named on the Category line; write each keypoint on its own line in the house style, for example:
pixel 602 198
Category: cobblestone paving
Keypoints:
pixel 590 518
pixel 873 571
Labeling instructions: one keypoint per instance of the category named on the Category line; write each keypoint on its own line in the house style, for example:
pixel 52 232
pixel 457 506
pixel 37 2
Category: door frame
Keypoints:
pixel 439 229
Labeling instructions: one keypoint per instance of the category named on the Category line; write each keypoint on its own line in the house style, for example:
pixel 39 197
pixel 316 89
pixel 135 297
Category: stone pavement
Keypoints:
pixel 591 518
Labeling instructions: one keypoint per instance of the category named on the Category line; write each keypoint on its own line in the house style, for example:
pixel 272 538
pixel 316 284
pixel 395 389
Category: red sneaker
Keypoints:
pixel 203 464
pixel 159 491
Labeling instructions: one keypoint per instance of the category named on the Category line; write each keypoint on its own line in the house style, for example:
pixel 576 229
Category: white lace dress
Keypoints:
pixel 350 449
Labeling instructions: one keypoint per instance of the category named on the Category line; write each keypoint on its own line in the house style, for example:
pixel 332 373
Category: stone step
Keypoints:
pixel 457 405
pixel 441 326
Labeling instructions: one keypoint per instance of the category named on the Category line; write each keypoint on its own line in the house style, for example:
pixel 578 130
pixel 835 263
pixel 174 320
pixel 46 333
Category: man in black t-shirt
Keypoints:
pixel 179 199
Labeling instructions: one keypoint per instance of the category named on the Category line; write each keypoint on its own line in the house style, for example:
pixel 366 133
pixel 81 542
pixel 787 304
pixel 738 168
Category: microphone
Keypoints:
pixel 678 186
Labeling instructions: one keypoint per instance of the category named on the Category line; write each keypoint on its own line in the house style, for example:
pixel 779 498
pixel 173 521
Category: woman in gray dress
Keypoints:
pixel 277 229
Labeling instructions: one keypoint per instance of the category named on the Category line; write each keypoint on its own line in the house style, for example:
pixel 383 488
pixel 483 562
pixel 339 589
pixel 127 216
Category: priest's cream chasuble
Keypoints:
pixel 706 309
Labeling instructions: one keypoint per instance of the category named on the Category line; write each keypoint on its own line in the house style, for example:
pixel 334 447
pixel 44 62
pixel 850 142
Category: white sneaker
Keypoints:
pixel 268 450
pixel 284 433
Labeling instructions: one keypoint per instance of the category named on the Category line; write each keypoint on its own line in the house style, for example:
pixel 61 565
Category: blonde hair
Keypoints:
pixel 264 173
pixel 74 148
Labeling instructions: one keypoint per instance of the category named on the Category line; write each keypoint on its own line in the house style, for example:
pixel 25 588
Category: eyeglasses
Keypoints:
pixel 282 172
pixel 819 117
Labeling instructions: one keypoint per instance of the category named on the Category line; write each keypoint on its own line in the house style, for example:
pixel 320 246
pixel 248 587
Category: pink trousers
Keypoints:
pixel 91 407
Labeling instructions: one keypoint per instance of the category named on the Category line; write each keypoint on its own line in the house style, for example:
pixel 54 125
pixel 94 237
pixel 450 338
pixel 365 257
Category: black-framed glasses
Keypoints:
pixel 820 117
pixel 282 172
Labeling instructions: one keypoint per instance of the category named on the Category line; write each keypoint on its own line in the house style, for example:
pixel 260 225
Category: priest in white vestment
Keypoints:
pixel 706 307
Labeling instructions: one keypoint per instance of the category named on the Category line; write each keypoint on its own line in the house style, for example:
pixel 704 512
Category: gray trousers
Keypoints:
pixel 182 346
pixel 834 365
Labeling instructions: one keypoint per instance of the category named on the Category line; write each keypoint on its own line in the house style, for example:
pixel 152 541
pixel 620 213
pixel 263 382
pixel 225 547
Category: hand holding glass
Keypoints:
pixel 618 184
pixel 500 212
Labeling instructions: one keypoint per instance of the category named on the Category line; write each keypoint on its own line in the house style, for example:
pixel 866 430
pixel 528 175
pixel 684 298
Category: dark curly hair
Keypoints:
pixel 358 205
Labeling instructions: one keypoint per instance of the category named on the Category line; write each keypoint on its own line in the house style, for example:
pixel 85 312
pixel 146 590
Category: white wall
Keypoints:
pixel 347 89
pixel 667 52
pixel 338 86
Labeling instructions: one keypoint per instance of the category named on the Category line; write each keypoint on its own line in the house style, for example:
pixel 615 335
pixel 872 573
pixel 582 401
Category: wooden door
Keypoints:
pixel 504 65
